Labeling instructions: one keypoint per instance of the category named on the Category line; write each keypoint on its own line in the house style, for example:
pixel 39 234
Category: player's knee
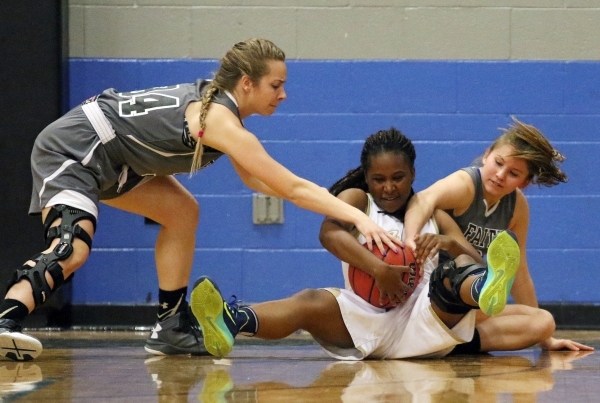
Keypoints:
pixel 185 216
pixel 540 323
pixel 544 324
pixel 192 209
pixel 308 296
pixel 464 260
pixel 445 283
pixel 80 255
pixel 311 301
pixel 79 249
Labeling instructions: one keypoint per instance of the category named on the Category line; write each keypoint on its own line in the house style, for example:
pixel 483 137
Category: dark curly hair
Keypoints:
pixel 391 140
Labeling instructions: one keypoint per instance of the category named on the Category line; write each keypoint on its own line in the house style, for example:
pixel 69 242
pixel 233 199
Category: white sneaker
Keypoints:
pixel 16 345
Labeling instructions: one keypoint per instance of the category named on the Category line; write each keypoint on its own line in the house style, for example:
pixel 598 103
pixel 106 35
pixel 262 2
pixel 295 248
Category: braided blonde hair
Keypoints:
pixel 531 145
pixel 249 58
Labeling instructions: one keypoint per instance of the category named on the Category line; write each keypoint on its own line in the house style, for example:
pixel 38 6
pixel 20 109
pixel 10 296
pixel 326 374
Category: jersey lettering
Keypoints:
pixel 480 237
pixel 142 101
pixel 394 232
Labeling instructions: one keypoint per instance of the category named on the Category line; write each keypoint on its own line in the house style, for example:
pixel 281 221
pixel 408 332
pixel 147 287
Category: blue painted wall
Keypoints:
pixel 450 109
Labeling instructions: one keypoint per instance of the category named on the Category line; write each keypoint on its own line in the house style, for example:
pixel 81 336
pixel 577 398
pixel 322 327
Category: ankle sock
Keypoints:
pixel 478 285
pixel 246 321
pixel 171 302
pixel 14 310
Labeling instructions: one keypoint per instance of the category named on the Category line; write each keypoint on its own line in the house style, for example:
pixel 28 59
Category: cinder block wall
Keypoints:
pixel 447 73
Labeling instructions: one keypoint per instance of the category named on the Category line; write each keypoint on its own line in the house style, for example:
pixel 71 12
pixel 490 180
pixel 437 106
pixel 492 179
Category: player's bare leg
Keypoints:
pixel 164 200
pixel 315 311
pixel 515 328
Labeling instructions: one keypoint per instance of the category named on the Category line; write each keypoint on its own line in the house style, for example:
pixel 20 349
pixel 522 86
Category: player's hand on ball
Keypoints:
pixel 391 285
pixel 374 234
pixel 428 245
pixel 393 280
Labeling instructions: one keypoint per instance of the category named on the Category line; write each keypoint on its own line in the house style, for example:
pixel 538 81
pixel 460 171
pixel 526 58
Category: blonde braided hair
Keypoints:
pixel 199 150
pixel 249 58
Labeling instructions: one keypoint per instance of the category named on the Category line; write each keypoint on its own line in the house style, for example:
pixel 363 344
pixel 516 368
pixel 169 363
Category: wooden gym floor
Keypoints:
pixel 105 366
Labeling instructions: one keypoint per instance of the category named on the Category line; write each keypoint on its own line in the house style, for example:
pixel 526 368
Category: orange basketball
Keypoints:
pixel 363 284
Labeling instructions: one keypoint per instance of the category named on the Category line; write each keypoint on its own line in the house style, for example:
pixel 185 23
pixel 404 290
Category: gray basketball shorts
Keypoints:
pixel 70 166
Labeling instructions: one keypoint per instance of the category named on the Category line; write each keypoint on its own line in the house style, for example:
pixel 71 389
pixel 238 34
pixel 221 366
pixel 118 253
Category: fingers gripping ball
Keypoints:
pixel 364 286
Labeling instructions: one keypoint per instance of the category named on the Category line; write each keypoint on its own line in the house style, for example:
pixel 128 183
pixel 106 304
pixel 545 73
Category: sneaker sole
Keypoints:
pixel 19 347
pixel 207 306
pixel 155 352
pixel 503 259
pixel 164 350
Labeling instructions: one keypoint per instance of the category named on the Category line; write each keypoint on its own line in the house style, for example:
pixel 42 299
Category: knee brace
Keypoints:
pixel 448 300
pixel 66 230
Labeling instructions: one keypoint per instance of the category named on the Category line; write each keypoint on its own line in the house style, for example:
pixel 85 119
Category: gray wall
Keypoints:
pixel 339 29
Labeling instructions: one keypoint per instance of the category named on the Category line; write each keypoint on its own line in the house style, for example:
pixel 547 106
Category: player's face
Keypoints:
pixel 389 178
pixel 269 92
pixel 501 174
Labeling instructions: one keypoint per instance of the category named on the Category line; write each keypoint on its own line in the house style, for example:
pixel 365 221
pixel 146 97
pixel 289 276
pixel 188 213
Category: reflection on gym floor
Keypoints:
pixel 113 367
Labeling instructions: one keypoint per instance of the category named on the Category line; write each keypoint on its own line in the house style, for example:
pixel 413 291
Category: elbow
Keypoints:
pixel 326 234
pixel 323 238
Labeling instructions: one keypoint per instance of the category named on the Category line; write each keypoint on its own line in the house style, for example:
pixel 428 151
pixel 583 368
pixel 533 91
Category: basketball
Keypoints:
pixel 363 284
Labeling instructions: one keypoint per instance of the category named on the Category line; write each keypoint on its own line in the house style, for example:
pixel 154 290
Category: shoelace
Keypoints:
pixel 234 303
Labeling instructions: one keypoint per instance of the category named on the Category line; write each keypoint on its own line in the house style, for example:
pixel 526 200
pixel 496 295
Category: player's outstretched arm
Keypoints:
pixel 450 239
pixel 454 192
pixel 249 155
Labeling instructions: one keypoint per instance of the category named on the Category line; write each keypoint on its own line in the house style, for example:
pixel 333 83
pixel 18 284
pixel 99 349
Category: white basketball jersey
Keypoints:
pixel 395 228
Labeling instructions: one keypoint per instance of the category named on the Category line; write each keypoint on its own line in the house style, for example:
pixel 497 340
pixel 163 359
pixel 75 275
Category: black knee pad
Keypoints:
pixel 68 227
pixel 48 262
pixel 37 278
pixel 448 300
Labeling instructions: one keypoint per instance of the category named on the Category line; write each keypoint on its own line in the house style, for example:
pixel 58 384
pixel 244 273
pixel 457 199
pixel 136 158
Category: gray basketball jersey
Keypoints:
pixel 479 224
pixel 151 134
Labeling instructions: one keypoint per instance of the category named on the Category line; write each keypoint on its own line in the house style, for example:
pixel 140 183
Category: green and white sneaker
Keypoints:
pixel 503 257
pixel 216 317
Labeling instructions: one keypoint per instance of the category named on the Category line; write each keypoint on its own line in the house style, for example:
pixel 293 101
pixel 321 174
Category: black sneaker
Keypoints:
pixel 16 345
pixel 178 334
pixel 216 317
